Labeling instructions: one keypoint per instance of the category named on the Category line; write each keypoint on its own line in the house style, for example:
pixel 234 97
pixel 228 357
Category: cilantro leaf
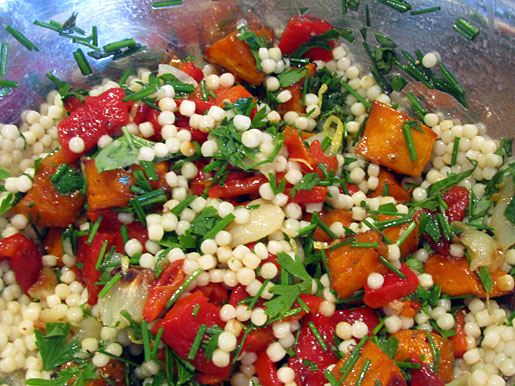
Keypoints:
pixel 452 179
pixel 290 76
pixel 4 174
pixel 505 147
pixel 286 296
pixel 79 375
pixel 486 279
pixel 415 264
pixel 53 345
pixel 510 211
pixel 293 266
pixel 204 221
pixel 389 345
pixel 321 41
pixel 67 179
pixel 230 145
pixel 308 182
pixel 7 202
pixel 255 42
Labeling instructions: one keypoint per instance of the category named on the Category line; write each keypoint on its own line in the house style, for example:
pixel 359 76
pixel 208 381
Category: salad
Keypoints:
pixel 280 215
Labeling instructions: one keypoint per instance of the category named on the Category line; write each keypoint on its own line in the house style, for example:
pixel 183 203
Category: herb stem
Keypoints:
pixel 82 62
pixel 183 287
pixel 363 372
pixel 196 342
pixel 3 58
pixel 109 285
pixel 21 38
pixel 412 150
pixel 455 149
pixel 220 225
pixel 425 10
pixel 317 335
pixel 406 233
pixel 161 4
pixel 392 267
pixel 146 340
pixel 355 94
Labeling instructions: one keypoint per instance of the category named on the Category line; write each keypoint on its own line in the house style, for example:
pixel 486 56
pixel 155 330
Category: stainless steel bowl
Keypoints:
pixel 485 66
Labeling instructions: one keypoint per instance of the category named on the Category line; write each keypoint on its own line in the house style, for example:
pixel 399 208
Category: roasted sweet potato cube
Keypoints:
pixel 236 57
pixel 382 368
pixel 349 266
pixel 43 204
pixel 335 215
pixel 417 342
pixel 108 189
pixel 457 279
pixel 395 189
pixel 383 141
pixel 394 233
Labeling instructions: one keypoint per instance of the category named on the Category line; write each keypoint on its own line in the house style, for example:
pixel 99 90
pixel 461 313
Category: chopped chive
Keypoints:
pixel 82 62
pixel 160 4
pixel 317 335
pixel 150 198
pixel 425 10
pixel 140 213
pixel 53 27
pixel 344 7
pixel 255 299
pixel 125 234
pixel 21 38
pixel 358 295
pixel 203 90
pixel 117 357
pixel 352 359
pixel 183 287
pixel 451 78
pixel 392 268
pixel 341 244
pixel 367 16
pixel 302 304
pixel 94 36
pixel 114 46
pixel 330 377
pixel 372 226
pixel 379 326
pixel 355 94
pixel 242 342
pixel 455 150
pixel 196 342
pixel 109 285
pixel 465 28
pixel 399 5
pixel 195 310
pixel 317 220
pixel 213 165
pixel 101 254
pixel 94 229
pixel 157 341
pixel 408 365
pixel 3 58
pixel 406 233
pixel 409 142
pixel 363 372
pixel 143 93
pixel 435 351
pixel 391 223
pixel 124 77
pixel 8 83
pixel 444 223
pixel 146 340
pixel 417 105
pixel 307 229
pixel 360 132
pixel 177 210
pixel 220 225
pixel 364 245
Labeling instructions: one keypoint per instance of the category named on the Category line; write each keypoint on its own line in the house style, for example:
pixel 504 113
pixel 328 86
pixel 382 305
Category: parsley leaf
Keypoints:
pixel 321 41
pixel 452 179
pixel 67 179
pixel 204 221
pixel 293 266
pixel 290 76
pixel 415 264
pixel 4 174
pixel 486 279
pixel 308 182
pixel 505 147
pixel 80 376
pixel 230 144
pixel 8 201
pixel 53 345
pixel 255 42
pixel 389 345
pixel 121 153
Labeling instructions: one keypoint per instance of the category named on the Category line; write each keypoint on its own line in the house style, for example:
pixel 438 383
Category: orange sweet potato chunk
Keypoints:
pixel 417 342
pixel 382 368
pixel 456 278
pixel 394 233
pixel 235 56
pixel 340 215
pixel 108 189
pixel 383 141
pixel 43 204
pixel 349 267
pixel 395 189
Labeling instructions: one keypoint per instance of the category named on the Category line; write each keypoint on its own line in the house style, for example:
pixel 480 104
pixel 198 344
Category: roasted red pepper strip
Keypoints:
pixel 237 187
pixel 88 256
pixel 330 162
pixel 298 150
pixel 192 70
pixel 309 349
pixel 266 370
pixel 424 376
pixel 24 259
pixel 459 341
pixel 394 287
pixel 317 194
pixel 98 116
pixel 163 289
pixel 301 29
pixel 361 314
pixel 180 327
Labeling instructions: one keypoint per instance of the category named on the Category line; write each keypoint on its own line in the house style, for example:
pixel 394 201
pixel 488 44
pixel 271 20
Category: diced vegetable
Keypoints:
pixel 383 141
pixel 388 183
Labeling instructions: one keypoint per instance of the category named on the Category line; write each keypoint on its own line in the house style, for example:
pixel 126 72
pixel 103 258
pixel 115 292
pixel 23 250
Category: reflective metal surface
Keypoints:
pixel 485 66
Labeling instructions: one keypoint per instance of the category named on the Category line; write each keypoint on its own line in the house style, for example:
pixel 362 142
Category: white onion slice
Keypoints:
pixel 483 249
pixel 181 75
pixel 504 229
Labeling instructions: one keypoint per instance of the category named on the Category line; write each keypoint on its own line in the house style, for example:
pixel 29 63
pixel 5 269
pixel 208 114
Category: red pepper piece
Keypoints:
pixel 215 292
pixel 298 150
pixel 394 287
pixel 330 162
pixel 24 259
pixel 259 339
pixel 180 327
pixel 88 256
pixel 361 314
pixel 98 115
pixel 317 194
pixel 301 29
pixel 192 70
pixel 71 104
pixel 424 376
pixel 237 187
pixel 266 370
pixel 459 341
pixel 163 289
pixel 308 349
